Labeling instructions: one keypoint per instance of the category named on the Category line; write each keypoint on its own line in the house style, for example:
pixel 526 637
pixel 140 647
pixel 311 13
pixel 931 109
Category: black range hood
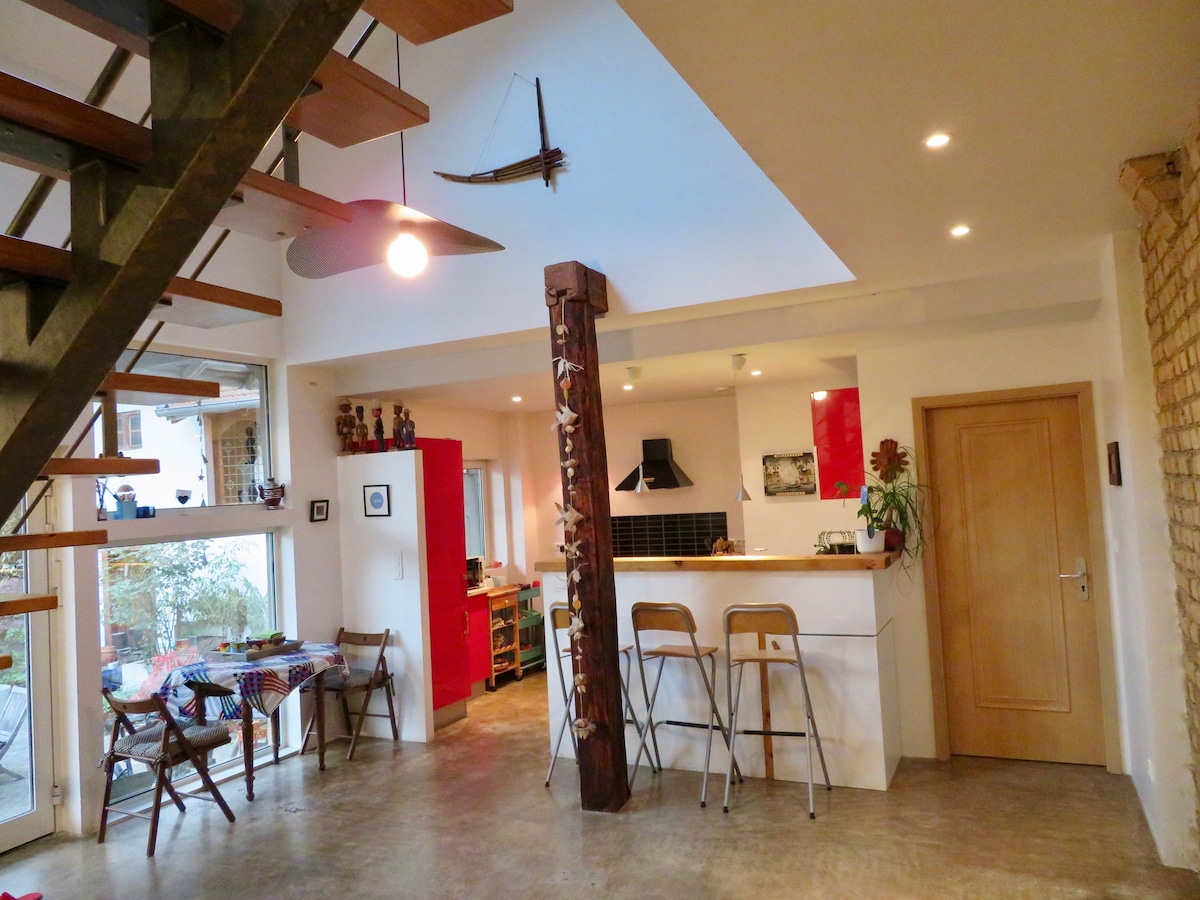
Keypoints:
pixel 658 468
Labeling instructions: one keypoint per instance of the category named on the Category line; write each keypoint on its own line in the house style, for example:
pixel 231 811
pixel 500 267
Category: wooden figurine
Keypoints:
pixel 397 425
pixel 360 431
pixel 345 424
pixel 377 415
pixel 409 430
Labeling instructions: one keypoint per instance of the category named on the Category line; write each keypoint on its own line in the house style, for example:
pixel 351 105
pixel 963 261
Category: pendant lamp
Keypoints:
pixel 738 362
pixel 634 373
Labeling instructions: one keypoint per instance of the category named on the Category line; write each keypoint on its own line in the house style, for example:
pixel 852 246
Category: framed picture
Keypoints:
pixel 790 474
pixel 318 510
pixel 377 500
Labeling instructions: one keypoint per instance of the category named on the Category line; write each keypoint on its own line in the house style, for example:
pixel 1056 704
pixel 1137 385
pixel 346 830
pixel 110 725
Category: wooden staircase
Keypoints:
pixel 224 74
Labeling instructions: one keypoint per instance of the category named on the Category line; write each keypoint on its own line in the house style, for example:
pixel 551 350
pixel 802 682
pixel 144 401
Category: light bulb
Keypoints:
pixel 407 256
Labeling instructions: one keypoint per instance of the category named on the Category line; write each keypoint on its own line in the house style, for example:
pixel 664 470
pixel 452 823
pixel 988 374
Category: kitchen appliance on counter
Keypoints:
pixel 474 571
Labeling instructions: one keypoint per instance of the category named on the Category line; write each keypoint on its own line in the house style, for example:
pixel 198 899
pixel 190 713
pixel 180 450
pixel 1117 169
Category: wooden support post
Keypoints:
pixel 108 419
pixel 575 295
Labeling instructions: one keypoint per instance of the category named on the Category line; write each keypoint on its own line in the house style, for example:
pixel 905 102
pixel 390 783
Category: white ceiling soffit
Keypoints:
pixel 656 194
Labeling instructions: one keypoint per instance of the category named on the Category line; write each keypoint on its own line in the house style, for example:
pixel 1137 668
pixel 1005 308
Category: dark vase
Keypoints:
pixel 893 539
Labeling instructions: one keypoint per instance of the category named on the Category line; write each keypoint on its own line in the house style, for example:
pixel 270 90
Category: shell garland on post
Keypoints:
pixel 565 424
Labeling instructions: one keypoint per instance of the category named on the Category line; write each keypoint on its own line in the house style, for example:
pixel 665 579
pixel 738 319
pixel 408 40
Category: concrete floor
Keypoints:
pixel 468 817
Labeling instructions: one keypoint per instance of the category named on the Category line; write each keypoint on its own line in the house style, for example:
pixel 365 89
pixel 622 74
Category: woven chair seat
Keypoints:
pixel 147 743
pixel 358 678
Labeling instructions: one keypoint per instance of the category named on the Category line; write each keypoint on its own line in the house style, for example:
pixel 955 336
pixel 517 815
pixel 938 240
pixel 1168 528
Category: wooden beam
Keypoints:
pixel 19 604
pixel 573 293
pixel 187 302
pixel 155 390
pixel 62 467
pixel 15 543
pixel 421 21
pixel 49 133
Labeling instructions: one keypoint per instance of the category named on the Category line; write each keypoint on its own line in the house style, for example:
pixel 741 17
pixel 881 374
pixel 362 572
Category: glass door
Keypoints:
pixel 26 761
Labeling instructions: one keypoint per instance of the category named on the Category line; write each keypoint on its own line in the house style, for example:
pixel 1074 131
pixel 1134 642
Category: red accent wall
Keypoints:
pixel 837 434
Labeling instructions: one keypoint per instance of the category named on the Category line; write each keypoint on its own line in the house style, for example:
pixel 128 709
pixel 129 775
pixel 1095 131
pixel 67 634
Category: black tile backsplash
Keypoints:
pixel 682 534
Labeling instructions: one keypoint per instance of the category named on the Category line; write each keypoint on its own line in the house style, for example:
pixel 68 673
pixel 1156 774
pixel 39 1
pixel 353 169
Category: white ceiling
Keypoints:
pixel 1043 101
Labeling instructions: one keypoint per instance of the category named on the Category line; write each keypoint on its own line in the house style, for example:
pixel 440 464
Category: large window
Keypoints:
pixel 16 783
pixel 163 605
pixel 211 452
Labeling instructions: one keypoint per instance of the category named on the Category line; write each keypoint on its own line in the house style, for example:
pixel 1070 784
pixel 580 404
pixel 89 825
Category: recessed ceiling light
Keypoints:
pixel 756 372
pixel 937 140
pixel 516 399
pixel 960 230
pixel 628 387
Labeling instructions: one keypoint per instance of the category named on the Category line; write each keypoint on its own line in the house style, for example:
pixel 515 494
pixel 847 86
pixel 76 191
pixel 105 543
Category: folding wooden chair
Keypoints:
pixel 360 681
pixel 160 745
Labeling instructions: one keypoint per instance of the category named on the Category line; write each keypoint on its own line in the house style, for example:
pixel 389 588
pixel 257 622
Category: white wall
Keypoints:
pixel 777 418
pixel 889 377
pixel 1149 649
pixel 376 594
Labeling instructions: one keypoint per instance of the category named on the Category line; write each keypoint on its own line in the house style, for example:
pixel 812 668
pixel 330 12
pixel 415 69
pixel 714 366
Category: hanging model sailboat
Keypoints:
pixel 543 163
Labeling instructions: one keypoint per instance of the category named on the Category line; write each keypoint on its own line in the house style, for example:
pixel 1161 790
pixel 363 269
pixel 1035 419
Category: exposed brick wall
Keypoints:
pixel 1166 192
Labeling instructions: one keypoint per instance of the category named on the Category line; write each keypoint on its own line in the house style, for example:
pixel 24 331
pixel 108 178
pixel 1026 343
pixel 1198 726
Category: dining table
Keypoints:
pixel 240 683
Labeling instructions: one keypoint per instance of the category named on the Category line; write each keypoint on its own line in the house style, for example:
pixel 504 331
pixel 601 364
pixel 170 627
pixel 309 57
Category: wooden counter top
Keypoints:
pixel 847 562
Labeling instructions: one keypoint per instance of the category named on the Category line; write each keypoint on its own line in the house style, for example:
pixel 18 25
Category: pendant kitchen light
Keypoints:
pixel 738 362
pixel 634 373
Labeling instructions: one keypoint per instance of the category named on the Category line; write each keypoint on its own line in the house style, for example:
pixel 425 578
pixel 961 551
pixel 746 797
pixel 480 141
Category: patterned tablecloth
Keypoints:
pixel 264 682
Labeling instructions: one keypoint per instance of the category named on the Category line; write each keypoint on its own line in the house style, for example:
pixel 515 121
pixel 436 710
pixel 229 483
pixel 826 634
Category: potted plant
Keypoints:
pixel 890 502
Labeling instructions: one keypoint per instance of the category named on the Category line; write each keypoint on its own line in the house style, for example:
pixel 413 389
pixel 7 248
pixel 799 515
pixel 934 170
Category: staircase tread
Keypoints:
pixel 421 21
pixel 188 302
pixel 15 543
pixel 47 130
pixel 155 390
pixel 19 604
pixel 358 105
pixel 97 468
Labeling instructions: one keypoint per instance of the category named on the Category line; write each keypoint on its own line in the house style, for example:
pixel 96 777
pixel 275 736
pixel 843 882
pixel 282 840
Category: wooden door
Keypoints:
pixel 446 558
pixel 1019 642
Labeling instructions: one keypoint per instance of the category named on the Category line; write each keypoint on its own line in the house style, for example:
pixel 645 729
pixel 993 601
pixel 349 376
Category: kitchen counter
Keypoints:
pixel 832 562
pixel 843 605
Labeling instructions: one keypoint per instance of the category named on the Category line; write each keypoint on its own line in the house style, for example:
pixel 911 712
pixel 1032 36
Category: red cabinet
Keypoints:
pixel 446 565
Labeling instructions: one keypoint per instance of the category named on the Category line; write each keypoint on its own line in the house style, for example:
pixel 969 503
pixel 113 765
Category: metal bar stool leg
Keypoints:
pixel 629 710
pixel 735 703
pixel 648 728
pixel 566 720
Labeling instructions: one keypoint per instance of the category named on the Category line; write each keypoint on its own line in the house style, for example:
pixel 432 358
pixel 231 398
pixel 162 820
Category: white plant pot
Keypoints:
pixel 866 544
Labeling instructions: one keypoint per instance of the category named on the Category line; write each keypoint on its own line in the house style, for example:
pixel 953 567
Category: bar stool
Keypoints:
pixel 764 619
pixel 559 617
pixel 677 618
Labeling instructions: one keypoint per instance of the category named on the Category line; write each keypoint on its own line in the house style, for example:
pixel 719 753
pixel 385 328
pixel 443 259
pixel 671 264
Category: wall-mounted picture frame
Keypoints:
pixel 790 474
pixel 377 500
pixel 318 510
pixel 1114 464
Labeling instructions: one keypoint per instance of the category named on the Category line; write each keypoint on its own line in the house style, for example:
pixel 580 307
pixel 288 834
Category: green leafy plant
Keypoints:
pixel 891 498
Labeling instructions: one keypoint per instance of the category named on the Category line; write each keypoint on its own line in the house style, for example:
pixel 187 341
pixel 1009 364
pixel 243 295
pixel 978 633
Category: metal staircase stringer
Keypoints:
pixel 214 109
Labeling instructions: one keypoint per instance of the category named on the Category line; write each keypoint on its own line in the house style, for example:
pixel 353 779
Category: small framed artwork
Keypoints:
pixel 318 511
pixel 1114 464
pixel 790 474
pixel 377 500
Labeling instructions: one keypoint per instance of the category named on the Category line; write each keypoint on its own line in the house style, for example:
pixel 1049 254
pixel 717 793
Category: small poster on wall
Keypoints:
pixel 790 474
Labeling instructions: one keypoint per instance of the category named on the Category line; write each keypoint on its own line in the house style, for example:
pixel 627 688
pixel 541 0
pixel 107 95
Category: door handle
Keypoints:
pixel 1080 573
pixel 466 622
